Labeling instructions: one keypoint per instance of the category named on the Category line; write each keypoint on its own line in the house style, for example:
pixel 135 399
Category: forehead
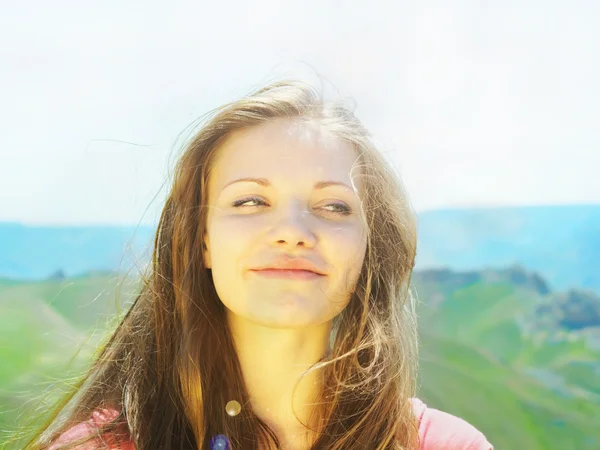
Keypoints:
pixel 285 151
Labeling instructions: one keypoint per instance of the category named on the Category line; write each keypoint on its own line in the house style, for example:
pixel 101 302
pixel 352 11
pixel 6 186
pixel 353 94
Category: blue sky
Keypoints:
pixel 476 103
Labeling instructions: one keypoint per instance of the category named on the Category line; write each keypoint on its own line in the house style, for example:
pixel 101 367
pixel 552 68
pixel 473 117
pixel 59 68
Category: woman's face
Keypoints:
pixel 284 215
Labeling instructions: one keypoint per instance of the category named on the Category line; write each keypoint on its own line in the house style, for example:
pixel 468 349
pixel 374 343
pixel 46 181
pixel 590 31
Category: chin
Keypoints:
pixel 287 322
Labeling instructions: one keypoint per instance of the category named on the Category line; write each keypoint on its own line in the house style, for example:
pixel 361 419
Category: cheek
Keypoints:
pixel 227 244
pixel 348 247
pixel 225 231
pixel 231 242
pixel 350 240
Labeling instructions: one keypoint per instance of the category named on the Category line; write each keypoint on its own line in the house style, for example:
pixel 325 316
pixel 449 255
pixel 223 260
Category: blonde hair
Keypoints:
pixel 170 365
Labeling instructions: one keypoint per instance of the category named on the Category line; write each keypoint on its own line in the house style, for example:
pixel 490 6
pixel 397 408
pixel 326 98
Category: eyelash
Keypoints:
pixel 346 210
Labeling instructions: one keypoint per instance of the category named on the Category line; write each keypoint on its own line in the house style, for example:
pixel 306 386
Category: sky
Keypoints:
pixel 476 103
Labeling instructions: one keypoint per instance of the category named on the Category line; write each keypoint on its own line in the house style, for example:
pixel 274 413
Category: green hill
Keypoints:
pixel 487 356
pixel 512 409
pixel 43 325
pixel 490 353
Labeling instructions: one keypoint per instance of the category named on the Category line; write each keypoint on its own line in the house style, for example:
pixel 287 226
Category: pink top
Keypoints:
pixel 442 431
pixel 438 431
pixel 83 429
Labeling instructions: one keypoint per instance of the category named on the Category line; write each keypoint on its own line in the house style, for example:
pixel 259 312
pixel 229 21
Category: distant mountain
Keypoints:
pixel 39 252
pixel 538 308
pixel 561 243
pixel 573 310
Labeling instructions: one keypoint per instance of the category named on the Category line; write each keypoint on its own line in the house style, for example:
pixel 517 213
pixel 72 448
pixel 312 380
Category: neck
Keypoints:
pixel 272 362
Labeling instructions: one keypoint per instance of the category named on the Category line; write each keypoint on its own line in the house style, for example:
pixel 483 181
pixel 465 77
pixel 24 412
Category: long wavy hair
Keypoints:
pixel 170 365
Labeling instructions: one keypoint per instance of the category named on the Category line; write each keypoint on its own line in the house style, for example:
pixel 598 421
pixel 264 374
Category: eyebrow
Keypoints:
pixel 265 182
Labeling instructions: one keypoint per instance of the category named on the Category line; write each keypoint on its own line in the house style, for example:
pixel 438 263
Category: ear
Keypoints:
pixel 206 253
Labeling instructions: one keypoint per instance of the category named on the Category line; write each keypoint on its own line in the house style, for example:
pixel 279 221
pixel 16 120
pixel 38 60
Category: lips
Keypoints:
pixel 287 263
pixel 288 274
pixel 271 269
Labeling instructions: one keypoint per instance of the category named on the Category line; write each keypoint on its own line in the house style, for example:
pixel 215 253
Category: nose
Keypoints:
pixel 292 227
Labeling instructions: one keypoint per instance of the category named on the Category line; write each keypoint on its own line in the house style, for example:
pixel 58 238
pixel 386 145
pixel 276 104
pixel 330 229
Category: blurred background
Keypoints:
pixel 489 111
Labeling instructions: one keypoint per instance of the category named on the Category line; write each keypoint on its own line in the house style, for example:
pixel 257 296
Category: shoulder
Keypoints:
pixel 116 441
pixel 439 430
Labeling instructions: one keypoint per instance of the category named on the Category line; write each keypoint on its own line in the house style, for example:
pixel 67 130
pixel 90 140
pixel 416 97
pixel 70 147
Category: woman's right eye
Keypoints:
pixel 239 203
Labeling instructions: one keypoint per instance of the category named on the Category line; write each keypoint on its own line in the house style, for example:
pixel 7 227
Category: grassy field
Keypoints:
pixel 476 362
pixel 522 392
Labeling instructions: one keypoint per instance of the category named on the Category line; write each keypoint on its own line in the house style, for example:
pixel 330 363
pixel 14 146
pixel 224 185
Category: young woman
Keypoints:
pixel 276 312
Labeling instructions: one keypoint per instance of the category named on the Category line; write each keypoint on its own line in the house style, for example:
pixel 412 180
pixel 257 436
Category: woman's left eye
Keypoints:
pixel 340 208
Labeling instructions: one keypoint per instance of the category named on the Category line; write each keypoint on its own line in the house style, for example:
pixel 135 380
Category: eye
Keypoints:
pixel 239 203
pixel 339 208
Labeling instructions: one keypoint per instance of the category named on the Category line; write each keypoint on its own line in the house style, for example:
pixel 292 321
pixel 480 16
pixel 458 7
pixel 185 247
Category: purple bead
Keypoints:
pixel 220 442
